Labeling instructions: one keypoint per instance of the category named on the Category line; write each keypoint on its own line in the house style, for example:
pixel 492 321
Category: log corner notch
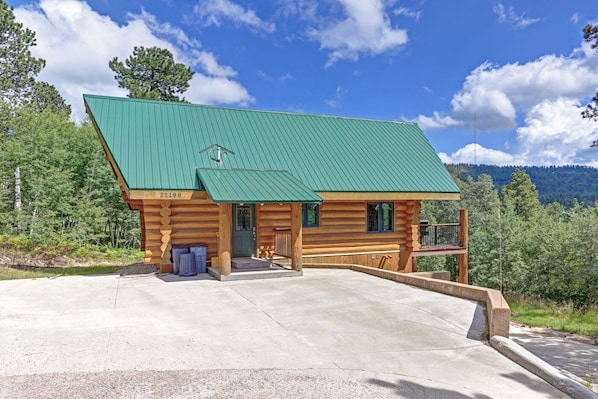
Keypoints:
pixel 165 231
pixel 407 261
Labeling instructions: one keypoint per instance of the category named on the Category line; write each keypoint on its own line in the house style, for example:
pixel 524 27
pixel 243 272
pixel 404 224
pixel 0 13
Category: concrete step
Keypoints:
pixel 254 274
pixel 250 263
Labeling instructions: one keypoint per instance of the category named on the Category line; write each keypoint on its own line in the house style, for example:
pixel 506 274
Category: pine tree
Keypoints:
pixel 522 194
pixel 18 67
pixel 152 74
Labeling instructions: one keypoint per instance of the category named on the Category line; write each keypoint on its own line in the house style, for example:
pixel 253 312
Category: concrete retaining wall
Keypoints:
pixel 497 308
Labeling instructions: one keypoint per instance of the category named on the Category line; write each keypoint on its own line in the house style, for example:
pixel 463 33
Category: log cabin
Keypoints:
pixel 251 183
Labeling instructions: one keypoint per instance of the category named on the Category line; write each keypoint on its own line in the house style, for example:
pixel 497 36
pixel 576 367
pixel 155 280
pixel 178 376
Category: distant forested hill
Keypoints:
pixel 554 183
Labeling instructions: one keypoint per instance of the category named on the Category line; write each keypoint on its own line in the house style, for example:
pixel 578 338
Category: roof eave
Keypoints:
pixel 388 196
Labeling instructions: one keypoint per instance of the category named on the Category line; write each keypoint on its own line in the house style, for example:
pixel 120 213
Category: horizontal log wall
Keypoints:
pixel 269 217
pixel 340 238
pixel 190 223
pixel 343 231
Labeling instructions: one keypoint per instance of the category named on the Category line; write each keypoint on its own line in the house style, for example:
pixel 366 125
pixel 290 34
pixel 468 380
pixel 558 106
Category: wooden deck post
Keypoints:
pixel 296 237
pixel 225 226
pixel 463 242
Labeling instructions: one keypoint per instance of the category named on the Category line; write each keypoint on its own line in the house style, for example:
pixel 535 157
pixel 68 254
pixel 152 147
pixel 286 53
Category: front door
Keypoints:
pixel 244 239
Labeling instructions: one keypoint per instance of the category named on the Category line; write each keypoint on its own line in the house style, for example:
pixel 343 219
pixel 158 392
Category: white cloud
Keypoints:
pixel 475 153
pixel 407 12
pixel 211 66
pixel 266 77
pixel 436 121
pixel 339 96
pixel 540 100
pixel 217 90
pixel 493 96
pixel 493 106
pixel 304 9
pixel 553 134
pixel 365 29
pixel 508 16
pixel 211 12
pixel 165 30
pixel 77 44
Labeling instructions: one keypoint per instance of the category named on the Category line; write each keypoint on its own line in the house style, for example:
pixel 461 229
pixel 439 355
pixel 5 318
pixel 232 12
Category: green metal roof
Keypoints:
pixel 254 186
pixel 156 146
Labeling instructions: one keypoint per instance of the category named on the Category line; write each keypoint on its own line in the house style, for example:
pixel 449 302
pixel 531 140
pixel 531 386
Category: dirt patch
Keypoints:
pixel 137 268
pixel 16 260
pixel 36 263
pixel 132 269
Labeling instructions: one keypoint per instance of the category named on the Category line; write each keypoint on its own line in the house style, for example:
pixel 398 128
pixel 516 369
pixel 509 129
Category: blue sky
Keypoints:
pixel 498 82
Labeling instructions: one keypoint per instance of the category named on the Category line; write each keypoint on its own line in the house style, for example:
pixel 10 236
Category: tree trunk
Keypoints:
pixel 18 204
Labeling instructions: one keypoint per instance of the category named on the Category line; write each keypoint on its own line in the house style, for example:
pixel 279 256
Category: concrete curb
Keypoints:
pixel 540 368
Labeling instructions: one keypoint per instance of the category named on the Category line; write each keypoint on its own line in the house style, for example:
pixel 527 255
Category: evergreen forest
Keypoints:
pixel 562 184
pixel 520 246
pixel 56 188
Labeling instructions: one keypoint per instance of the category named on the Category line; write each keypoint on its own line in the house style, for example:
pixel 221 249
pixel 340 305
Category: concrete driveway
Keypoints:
pixel 328 334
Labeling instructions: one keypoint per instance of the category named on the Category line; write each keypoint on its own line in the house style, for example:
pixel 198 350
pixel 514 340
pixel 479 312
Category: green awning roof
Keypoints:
pixel 254 186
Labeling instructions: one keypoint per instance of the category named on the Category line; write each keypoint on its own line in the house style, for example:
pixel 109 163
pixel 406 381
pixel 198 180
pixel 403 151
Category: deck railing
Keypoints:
pixel 439 235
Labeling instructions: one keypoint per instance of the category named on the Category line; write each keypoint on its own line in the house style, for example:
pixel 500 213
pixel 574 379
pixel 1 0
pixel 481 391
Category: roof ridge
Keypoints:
pixel 244 169
pixel 194 105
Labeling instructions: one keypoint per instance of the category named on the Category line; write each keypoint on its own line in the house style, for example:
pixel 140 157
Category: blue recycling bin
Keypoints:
pixel 201 253
pixel 187 265
pixel 177 251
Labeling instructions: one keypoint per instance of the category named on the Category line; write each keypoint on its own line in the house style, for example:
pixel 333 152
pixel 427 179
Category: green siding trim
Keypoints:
pixel 156 146
pixel 254 186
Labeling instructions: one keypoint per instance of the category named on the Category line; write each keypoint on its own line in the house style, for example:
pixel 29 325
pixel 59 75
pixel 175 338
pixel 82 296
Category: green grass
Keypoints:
pixel 560 317
pixel 21 245
pixel 62 259
pixel 9 273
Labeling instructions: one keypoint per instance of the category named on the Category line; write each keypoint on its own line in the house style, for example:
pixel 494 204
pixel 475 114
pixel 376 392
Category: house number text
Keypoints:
pixel 170 194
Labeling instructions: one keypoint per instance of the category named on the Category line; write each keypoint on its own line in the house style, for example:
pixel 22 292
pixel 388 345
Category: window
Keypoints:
pixel 311 215
pixel 244 219
pixel 380 217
